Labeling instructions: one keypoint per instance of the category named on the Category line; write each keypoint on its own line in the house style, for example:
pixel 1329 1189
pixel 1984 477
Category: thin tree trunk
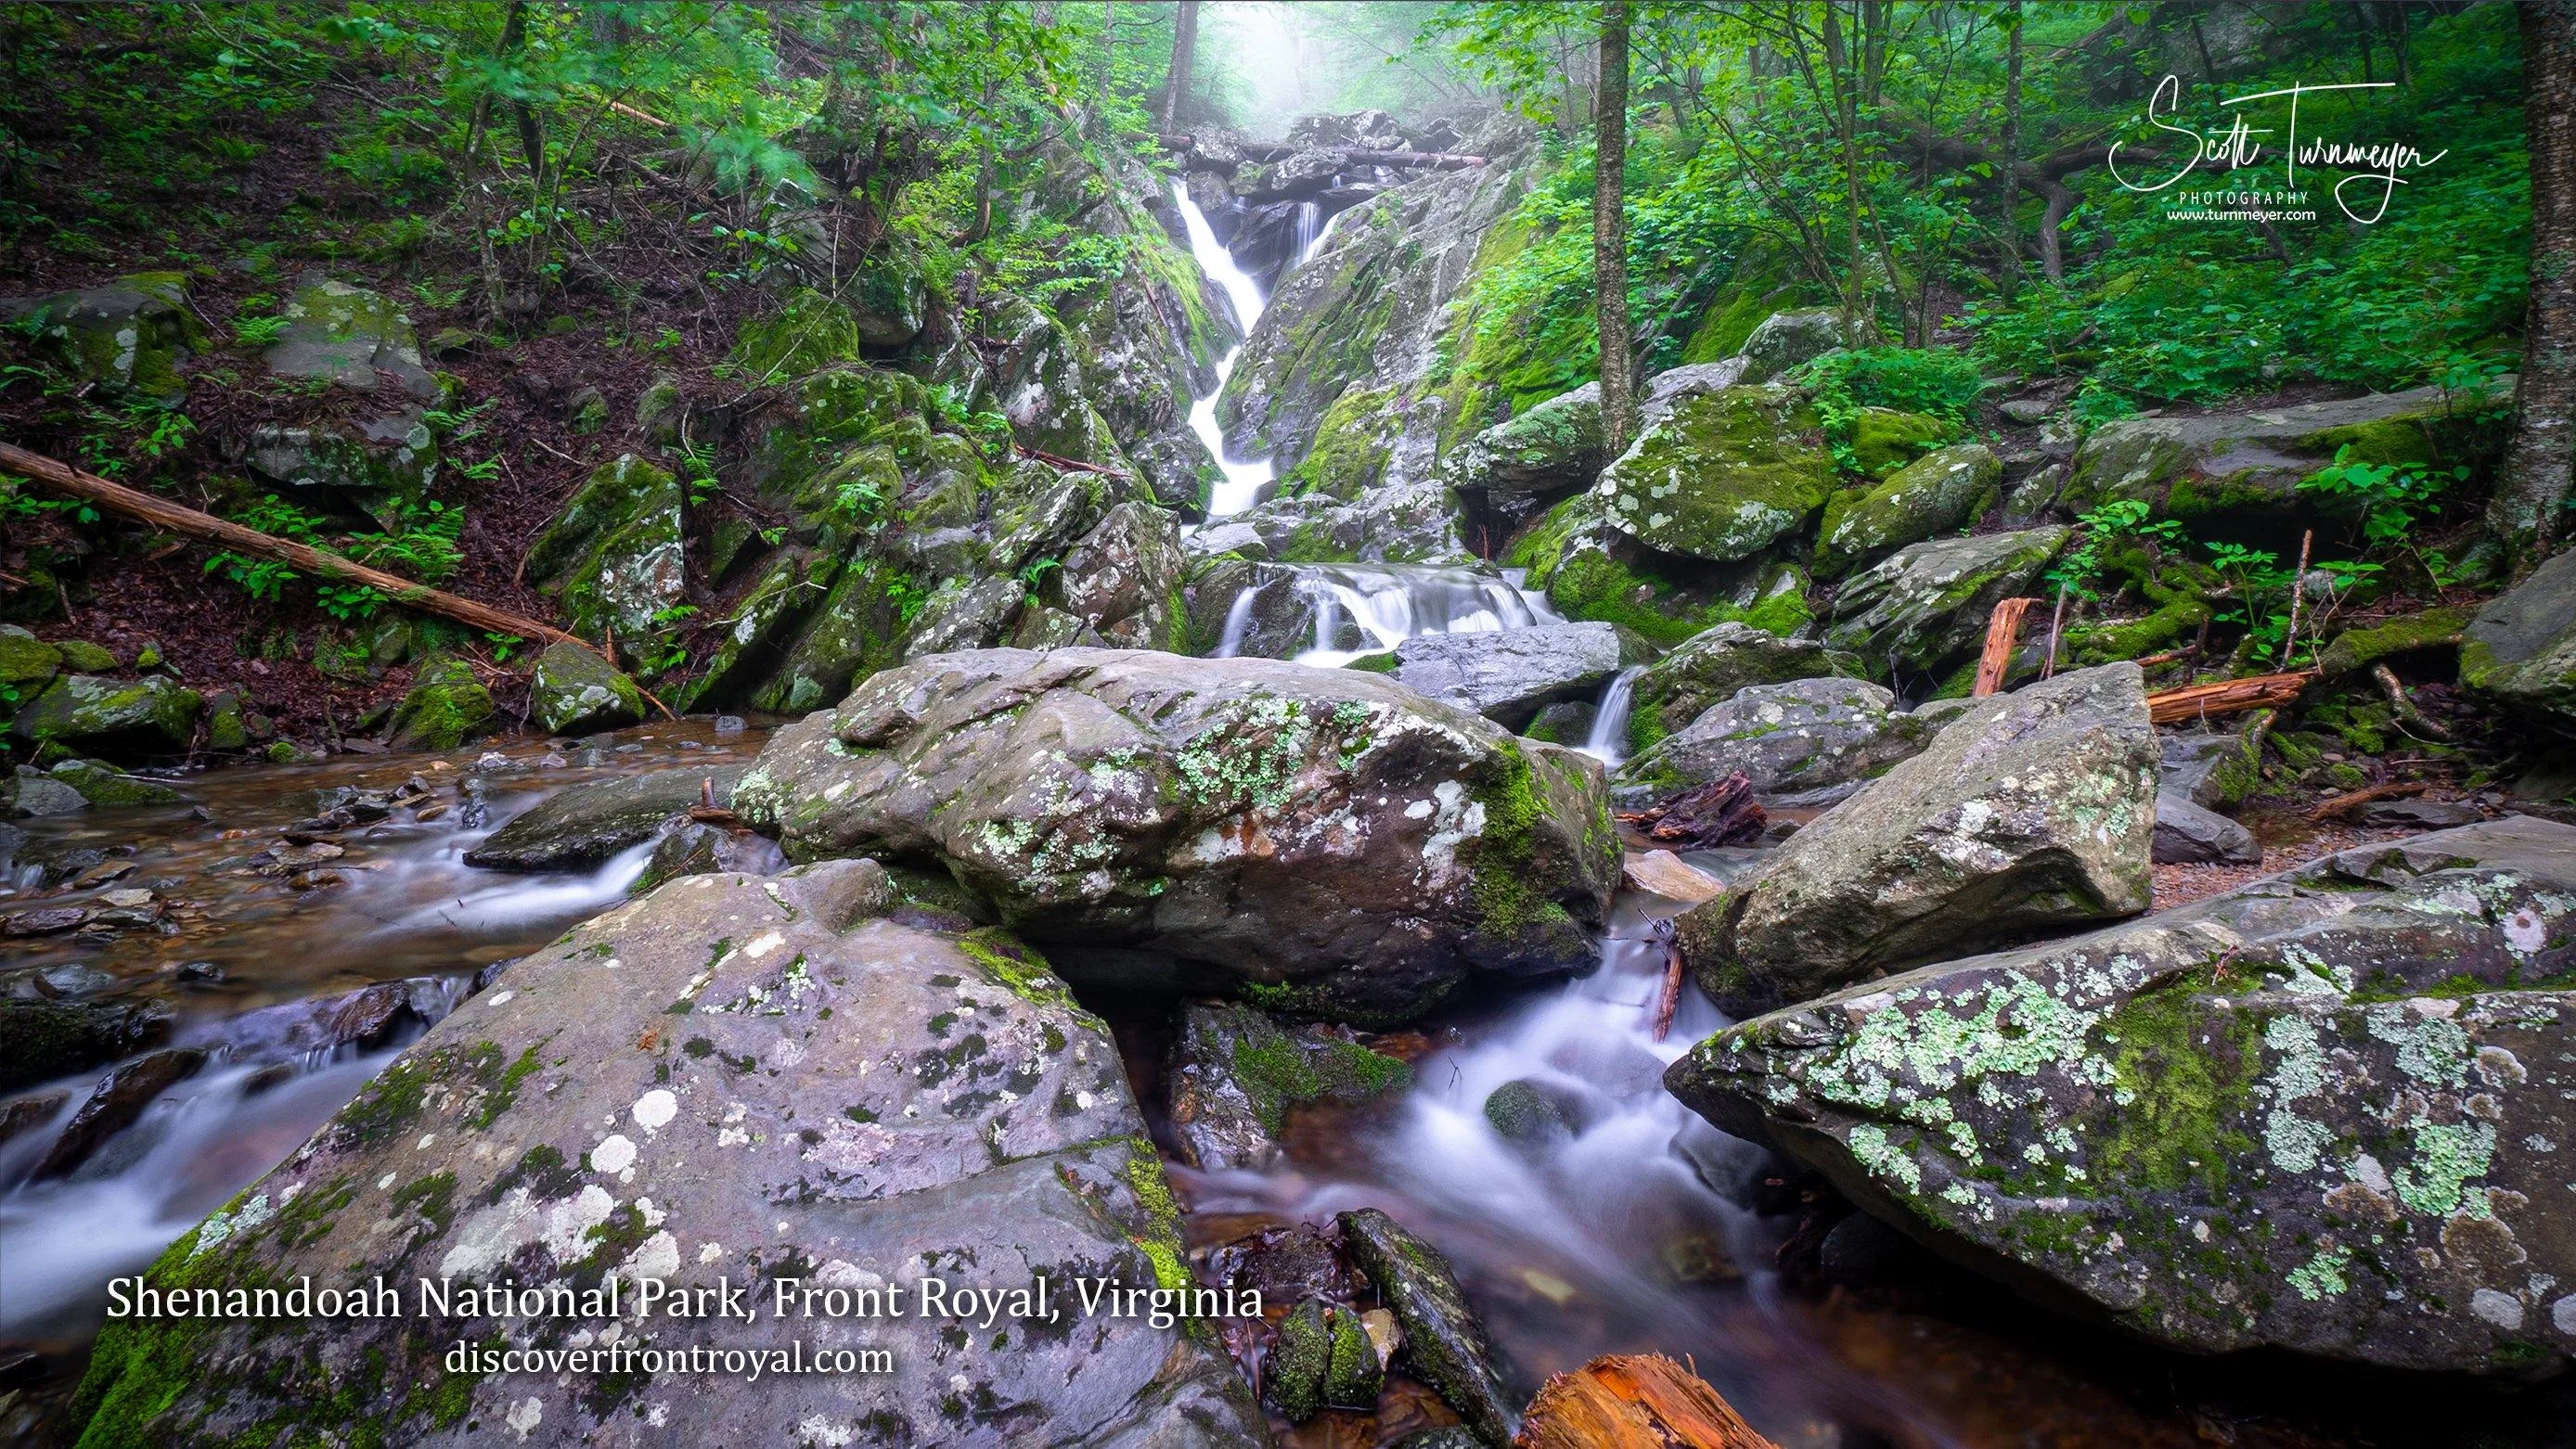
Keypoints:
pixel 1185 44
pixel 1610 230
pixel 2011 218
pixel 2531 491
pixel 1839 68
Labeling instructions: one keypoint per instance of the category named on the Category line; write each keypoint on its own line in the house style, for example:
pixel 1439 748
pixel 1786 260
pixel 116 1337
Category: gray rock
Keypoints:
pixel 1697 379
pixel 2321 1113
pixel 1786 339
pixel 1326 839
pixel 1721 476
pixel 2212 770
pixel 2521 648
pixel 1935 494
pixel 114 1105
pixel 347 336
pixel 576 692
pixel 1443 1341
pixel 585 824
pixel 151 715
pixel 2031 812
pixel 674 1093
pixel 965 615
pixel 2189 834
pixel 615 556
pixel 1507 674
pixel 30 795
pixel 131 333
pixel 42 1039
pixel 1922 611
pixel 370 466
pixel 1235 1073
pixel 1806 734
pixel 1123 579
pixel 2419 814
pixel 1711 666
pixel 1555 444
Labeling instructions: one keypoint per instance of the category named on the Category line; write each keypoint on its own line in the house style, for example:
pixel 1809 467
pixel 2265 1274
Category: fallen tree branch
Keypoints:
pixel 180 519
pixel 2402 702
pixel 2003 634
pixel 1057 461
pixel 2337 805
pixel 1721 812
pixel 2227 696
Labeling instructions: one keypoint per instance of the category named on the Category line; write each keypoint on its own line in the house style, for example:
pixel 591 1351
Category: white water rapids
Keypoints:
pixel 1243 481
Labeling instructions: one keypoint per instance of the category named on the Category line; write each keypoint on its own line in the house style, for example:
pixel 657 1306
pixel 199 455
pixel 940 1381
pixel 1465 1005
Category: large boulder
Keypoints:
pixel 2327 1112
pixel 1324 840
pixel 614 555
pixel 1722 476
pixel 1922 611
pixel 585 824
pixel 2521 648
pixel 1123 580
pixel 576 692
pixel 349 337
pixel 2232 467
pixel 445 706
pixel 153 715
pixel 1935 494
pixel 130 334
pixel 1786 339
pixel 1556 444
pixel 1507 675
pixel 1710 667
pixel 1807 734
pixel 2030 812
pixel 733 1084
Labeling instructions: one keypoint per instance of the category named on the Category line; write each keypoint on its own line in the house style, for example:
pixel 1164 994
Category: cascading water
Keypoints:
pixel 1243 481
pixel 1609 739
pixel 1391 603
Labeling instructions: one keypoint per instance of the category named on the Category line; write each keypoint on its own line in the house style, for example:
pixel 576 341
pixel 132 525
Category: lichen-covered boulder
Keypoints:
pixel 349 337
pixel 446 706
pixel 576 692
pixel 1786 339
pixel 151 715
pixel 1935 494
pixel 1556 444
pixel 367 467
pixel 1721 476
pixel 2030 812
pixel 1235 1072
pixel 131 333
pixel 2232 466
pixel 736 1081
pixel 1324 840
pixel 614 555
pixel 2521 648
pixel 1123 579
pixel 1806 734
pixel 1922 611
pixel 1506 675
pixel 1710 667
pixel 2328 1112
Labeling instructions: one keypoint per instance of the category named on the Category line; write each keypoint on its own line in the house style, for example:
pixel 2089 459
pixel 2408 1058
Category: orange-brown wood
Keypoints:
pixel 2003 635
pixel 2227 696
pixel 2388 790
pixel 1634 1401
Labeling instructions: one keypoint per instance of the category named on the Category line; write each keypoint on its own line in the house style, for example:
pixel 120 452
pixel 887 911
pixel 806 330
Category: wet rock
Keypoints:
pixel 1523 1111
pixel 1235 1073
pixel 1861 1252
pixel 32 795
pixel 2186 834
pixel 1443 1340
pixel 107 788
pixel 1805 734
pixel 131 333
pixel 577 692
pixel 1123 579
pixel 1567 722
pixel 1285 1264
pixel 1935 494
pixel 1556 444
pixel 2242 465
pixel 655 1095
pixel 2321 1113
pixel 44 921
pixel 27 663
pixel 2418 814
pixel 614 555
pixel 1321 1356
pixel 368 1019
pixel 1447 1436
pixel 1507 674
pixel 151 715
pixel 689 847
pixel 1325 839
pixel 1721 476
pixel 349 337
pixel 25 1114
pixel 586 824
pixel 1922 611
pixel 2031 812
pixel 1786 339
pixel 114 1105
pixel 445 707
pixel 1710 667
pixel 2521 647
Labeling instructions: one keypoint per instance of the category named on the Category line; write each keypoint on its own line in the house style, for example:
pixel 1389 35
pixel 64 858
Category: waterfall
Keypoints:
pixel 1310 230
pixel 1394 602
pixel 1243 481
pixel 1609 740
pixel 1238 617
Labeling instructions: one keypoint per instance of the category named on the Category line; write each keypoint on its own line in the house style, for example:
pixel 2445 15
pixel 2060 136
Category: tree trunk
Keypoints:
pixel 2011 218
pixel 1185 44
pixel 2531 491
pixel 1610 230
pixel 1842 69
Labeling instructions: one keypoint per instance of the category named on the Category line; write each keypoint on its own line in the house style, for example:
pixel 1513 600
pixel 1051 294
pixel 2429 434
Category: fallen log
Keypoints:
pixel 1054 460
pixel 180 519
pixel 1721 812
pixel 2003 634
pixel 2227 696
pixel 1634 1401
pixel 2331 807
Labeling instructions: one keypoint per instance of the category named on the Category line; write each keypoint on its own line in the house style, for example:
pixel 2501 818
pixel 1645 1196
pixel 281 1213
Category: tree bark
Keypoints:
pixel 2010 277
pixel 2531 490
pixel 188 522
pixel 1610 231
pixel 1185 44
pixel 2003 635
pixel 1634 1401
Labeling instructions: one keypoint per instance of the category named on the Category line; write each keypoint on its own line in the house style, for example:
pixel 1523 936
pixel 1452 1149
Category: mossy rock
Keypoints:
pixel 153 715
pixel 82 657
pixel 1935 494
pixel 27 662
pixel 575 691
pixel 1884 440
pixel 227 721
pixel 130 334
pixel 446 707
pixel 2521 648
pixel 349 337
pixel 2357 649
pixel 1351 445
pixel 109 788
pixel 1722 476
pixel 614 556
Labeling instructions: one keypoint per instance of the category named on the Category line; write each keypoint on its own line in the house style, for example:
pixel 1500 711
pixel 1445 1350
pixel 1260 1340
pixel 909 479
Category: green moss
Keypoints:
pixel 1379 663
pixel 1884 440
pixel 2191 1069
pixel 1017 967
pixel 1761 286
pixel 1301 1351
pixel 1349 453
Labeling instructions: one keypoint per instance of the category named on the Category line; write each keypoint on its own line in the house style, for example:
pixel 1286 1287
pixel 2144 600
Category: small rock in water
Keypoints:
pixel 114 1104
pixel 99 875
pixel 202 973
pixel 1445 1343
pixel 50 921
pixel 730 724
pixel 492 760
pixel 1524 1112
